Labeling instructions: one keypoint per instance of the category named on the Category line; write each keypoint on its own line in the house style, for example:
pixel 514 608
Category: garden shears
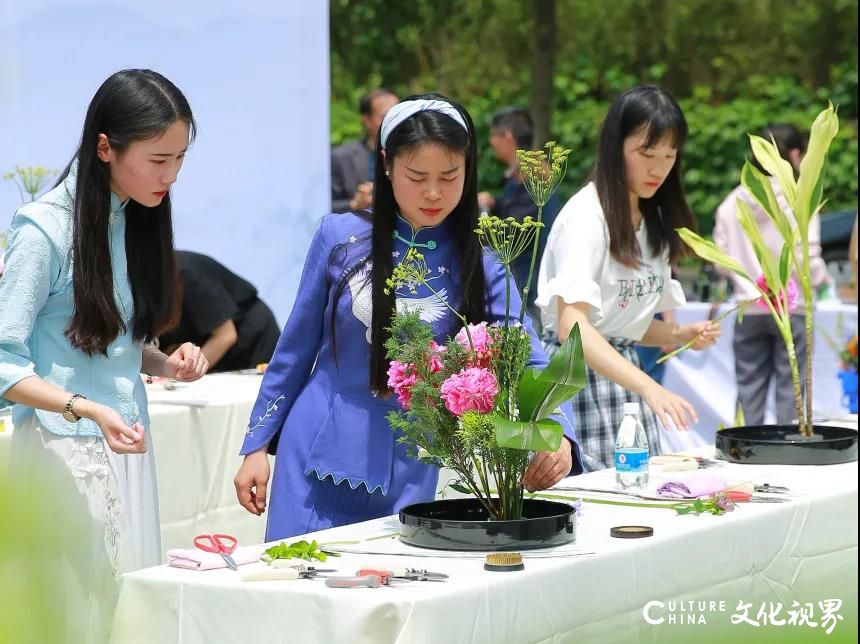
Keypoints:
pixel 374 578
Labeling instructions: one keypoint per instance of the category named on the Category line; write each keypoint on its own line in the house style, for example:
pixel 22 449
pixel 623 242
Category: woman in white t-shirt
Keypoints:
pixel 607 268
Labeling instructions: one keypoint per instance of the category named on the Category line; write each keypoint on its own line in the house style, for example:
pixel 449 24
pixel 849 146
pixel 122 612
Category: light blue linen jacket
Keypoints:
pixel 36 304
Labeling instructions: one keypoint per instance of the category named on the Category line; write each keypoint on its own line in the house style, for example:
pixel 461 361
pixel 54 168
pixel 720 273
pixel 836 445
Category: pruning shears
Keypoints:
pixel 374 578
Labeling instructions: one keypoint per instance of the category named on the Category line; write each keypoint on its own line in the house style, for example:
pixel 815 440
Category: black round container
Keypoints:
pixel 782 445
pixel 463 524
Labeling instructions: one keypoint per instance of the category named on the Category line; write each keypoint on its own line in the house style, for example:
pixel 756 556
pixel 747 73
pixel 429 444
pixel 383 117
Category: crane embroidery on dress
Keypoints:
pixel 429 308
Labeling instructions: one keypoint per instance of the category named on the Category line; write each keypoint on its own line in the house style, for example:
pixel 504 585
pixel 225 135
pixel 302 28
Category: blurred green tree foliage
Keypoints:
pixel 735 65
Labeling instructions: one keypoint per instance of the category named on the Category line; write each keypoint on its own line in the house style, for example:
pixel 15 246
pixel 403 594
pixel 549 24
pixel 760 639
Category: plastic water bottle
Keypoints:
pixel 631 450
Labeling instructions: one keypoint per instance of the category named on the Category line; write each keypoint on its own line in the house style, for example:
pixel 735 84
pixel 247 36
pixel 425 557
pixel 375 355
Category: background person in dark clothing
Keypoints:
pixel 223 315
pixel 511 129
pixel 352 162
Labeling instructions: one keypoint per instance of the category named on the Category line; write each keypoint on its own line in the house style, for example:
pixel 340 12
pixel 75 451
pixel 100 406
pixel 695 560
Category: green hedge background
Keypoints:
pixel 735 65
pixel 716 148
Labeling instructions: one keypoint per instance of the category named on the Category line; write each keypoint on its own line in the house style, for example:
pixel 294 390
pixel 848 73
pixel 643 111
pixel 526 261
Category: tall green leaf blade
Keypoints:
pixel 768 156
pixel 565 374
pixel 762 252
pixel 786 260
pixel 540 399
pixel 533 435
pixel 760 188
pixel 816 202
pixel 809 185
pixel 540 393
pixel 710 252
pixel 531 392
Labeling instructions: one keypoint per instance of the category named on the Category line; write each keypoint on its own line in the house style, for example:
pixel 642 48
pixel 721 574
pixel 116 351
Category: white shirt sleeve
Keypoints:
pixel 672 297
pixel 573 261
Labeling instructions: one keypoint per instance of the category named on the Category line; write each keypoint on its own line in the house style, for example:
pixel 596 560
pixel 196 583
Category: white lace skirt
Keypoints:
pixel 106 521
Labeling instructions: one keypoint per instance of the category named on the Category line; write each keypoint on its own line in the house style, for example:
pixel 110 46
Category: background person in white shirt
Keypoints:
pixel 607 268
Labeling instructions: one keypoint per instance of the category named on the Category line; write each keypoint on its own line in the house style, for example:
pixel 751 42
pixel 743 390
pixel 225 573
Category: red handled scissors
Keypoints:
pixel 222 544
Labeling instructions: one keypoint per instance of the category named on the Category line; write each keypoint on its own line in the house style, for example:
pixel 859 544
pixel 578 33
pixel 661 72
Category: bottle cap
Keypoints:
pixel 631 531
pixel 631 408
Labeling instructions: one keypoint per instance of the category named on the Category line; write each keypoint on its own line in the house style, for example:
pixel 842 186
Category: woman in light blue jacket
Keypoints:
pixel 89 276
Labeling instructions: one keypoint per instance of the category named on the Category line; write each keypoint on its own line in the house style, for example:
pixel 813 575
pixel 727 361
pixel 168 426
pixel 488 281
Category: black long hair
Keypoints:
pixel 423 128
pixel 653 108
pixel 131 105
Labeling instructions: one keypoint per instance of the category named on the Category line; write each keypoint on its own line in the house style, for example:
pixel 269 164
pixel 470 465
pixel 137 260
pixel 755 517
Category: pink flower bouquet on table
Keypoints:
pixel 475 405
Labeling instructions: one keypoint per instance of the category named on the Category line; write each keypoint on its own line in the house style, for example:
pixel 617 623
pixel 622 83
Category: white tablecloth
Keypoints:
pixel 804 550
pixel 707 378
pixel 196 439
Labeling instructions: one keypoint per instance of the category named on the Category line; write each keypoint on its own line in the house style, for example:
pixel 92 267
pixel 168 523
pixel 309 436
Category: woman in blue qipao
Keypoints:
pixel 323 401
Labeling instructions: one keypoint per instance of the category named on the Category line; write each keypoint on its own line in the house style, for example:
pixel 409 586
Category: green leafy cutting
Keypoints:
pixel 715 504
pixel 297 550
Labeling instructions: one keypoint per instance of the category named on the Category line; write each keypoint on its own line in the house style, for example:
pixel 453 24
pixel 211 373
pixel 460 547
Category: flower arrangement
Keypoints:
pixel 845 350
pixel 804 197
pixel 474 405
pixel 30 180
pixel 848 354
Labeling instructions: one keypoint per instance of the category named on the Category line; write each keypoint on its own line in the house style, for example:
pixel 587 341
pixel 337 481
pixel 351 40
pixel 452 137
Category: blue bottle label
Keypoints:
pixel 631 460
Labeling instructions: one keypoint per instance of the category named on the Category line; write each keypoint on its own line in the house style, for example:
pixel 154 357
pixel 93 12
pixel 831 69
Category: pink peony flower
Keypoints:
pixel 436 352
pixel 482 340
pixel 472 388
pixel 401 377
pixel 785 298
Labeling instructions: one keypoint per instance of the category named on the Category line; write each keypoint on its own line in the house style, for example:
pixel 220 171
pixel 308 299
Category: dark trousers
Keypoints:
pixel 760 356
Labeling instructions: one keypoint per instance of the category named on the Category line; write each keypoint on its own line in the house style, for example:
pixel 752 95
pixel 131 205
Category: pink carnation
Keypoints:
pixel 472 388
pixel 436 352
pixel 401 377
pixel 785 298
pixel 482 340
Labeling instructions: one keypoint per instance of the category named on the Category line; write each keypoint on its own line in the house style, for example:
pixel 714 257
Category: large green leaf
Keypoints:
pixel 712 253
pixel 540 393
pixel 809 185
pixel 531 393
pixel 534 435
pixel 759 186
pixel 768 156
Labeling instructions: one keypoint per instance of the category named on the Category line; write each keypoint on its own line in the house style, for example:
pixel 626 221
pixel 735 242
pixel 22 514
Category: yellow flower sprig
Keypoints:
pixel 507 238
pixel 543 170
pixel 411 271
pixel 30 179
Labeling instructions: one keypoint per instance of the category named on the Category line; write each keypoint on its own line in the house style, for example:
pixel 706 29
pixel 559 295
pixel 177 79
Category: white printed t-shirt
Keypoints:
pixel 577 267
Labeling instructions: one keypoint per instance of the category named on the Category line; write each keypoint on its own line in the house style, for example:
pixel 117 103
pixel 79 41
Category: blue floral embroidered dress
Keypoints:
pixel 337 457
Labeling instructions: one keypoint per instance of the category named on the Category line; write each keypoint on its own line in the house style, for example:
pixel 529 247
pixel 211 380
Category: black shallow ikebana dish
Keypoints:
pixel 783 445
pixel 464 524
